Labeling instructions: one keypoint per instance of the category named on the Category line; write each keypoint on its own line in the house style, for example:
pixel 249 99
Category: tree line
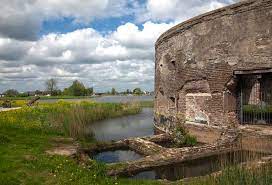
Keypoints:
pixel 77 88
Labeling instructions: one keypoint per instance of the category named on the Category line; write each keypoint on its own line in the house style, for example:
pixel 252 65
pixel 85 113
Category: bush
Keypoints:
pixel 18 103
pixel 182 138
pixel 13 103
pixel 257 109
pixel 190 140
pixel 4 139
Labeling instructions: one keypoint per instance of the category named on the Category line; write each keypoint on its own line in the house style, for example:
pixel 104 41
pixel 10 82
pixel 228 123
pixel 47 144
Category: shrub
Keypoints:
pixel 181 136
pixel 4 139
pixel 190 140
pixel 257 109
pixel 14 103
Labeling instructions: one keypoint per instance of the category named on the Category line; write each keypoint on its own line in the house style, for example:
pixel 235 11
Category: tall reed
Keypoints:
pixel 70 118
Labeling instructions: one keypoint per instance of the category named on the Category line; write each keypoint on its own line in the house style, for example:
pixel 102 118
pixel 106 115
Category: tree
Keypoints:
pixel 137 91
pixel 38 92
pixel 128 91
pixel 90 91
pixel 51 85
pixel 23 94
pixel 11 93
pixel 113 91
pixel 77 89
pixel 56 93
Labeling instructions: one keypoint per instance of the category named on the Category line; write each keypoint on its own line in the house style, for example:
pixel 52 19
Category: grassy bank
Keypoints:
pixel 22 102
pixel 149 104
pixel 27 133
pixel 15 103
pixel 46 97
pixel 66 117
pixel 239 176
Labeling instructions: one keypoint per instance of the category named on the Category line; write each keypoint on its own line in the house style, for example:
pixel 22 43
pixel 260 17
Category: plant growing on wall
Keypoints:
pixel 181 136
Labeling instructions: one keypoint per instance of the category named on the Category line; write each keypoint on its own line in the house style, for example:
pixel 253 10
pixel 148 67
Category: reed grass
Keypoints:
pixel 234 173
pixel 239 176
pixel 147 104
pixel 70 118
pixel 26 134
pixel 15 103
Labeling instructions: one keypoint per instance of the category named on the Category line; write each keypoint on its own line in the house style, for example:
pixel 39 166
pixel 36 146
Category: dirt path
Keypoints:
pixel 8 109
pixel 63 146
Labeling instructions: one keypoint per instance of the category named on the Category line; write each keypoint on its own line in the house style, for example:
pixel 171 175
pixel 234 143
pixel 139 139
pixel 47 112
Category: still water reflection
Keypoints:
pixel 198 167
pixel 111 99
pixel 117 156
pixel 124 127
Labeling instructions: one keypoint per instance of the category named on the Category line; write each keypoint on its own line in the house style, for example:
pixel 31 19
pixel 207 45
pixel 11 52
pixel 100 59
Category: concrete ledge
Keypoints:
pixel 166 156
pixel 204 133
pixel 256 137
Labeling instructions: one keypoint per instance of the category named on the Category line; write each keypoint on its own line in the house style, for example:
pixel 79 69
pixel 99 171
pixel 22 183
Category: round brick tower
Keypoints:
pixel 200 64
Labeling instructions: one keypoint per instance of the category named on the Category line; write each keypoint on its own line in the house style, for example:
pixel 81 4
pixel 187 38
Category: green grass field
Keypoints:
pixel 46 97
pixel 27 133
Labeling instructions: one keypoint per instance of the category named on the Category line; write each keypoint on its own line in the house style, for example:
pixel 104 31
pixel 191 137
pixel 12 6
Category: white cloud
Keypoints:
pixel 130 35
pixel 23 19
pixel 178 10
pixel 122 58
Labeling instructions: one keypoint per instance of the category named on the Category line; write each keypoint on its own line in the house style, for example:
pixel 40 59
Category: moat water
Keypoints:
pixel 121 128
pixel 198 167
pixel 142 125
pixel 124 127
pixel 117 156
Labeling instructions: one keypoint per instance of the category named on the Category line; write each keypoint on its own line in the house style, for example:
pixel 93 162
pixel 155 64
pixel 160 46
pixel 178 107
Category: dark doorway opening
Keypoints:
pixel 255 98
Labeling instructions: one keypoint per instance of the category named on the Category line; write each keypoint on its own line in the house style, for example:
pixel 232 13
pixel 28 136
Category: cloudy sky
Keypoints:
pixel 103 43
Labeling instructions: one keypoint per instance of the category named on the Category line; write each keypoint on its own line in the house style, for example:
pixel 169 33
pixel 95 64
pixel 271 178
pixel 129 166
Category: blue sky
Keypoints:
pixel 103 43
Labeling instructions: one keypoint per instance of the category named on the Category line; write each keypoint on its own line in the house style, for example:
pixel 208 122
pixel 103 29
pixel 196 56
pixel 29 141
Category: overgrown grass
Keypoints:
pixel 46 97
pixel 25 134
pixel 70 118
pixel 146 104
pixel 23 161
pixel 15 103
pixel 182 138
pixel 239 176
pixel 257 109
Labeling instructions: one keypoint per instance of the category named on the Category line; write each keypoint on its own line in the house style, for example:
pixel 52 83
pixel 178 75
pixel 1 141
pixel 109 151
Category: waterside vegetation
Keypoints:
pixel 28 132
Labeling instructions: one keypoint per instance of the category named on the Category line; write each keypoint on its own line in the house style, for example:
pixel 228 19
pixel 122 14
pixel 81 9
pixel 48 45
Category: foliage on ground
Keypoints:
pixel 46 97
pixel 70 118
pixel 181 135
pixel 238 176
pixel 147 104
pixel 255 109
pixel 27 133
pixel 182 138
pixel 14 103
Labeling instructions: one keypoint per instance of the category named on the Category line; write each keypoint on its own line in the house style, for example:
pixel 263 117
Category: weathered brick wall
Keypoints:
pixel 200 55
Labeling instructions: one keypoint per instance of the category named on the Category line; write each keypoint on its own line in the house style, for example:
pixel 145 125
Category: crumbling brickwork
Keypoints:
pixel 196 60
